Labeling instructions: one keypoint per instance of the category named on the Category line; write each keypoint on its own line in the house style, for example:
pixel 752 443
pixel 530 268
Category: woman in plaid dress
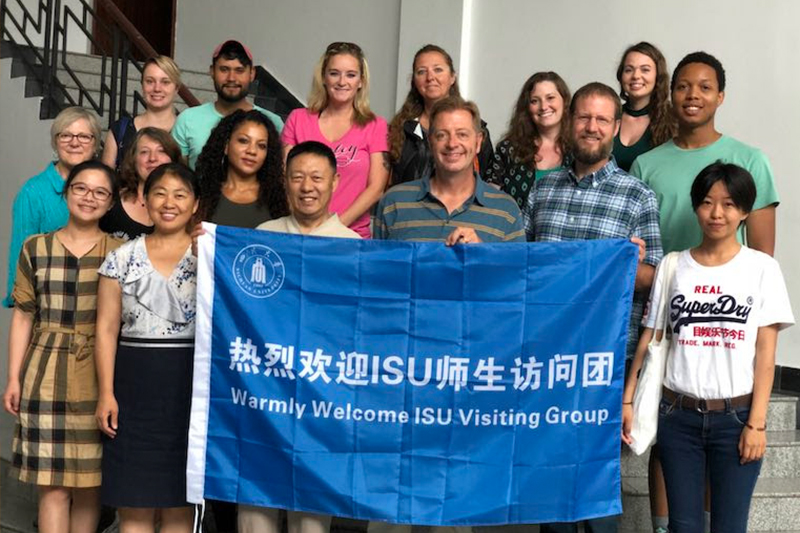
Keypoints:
pixel 52 385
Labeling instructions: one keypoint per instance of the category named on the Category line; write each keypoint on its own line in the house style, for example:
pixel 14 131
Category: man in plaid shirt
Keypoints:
pixel 592 198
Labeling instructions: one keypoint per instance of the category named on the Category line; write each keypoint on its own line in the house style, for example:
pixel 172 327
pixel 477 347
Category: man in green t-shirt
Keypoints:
pixel 698 89
pixel 698 86
pixel 232 71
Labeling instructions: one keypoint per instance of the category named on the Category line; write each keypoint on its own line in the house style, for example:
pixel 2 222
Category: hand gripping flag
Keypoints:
pixel 410 382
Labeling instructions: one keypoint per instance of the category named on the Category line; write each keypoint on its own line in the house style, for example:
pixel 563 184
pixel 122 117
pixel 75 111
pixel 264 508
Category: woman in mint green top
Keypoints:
pixel 536 141
pixel 39 206
pixel 647 119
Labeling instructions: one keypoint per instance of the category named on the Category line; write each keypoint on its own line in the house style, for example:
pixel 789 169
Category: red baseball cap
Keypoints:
pixel 234 46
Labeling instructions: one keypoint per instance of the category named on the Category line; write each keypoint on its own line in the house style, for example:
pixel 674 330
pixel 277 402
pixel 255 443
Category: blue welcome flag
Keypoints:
pixel 410 382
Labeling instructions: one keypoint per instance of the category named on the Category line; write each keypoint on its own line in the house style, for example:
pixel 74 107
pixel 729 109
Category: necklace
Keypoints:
pixel 636 112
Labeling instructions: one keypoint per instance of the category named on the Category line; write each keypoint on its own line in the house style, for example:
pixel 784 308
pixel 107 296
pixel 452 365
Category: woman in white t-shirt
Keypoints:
pixel 726 306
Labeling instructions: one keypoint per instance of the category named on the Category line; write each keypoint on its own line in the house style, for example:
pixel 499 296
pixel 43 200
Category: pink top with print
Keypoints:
pixel 352 152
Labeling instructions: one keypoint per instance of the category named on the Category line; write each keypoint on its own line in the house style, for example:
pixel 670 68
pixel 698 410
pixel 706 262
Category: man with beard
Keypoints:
pixel 592 198
pixel 232 71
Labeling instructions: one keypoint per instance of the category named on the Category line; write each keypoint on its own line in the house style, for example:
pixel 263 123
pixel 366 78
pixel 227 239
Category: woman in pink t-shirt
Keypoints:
pixel 339 116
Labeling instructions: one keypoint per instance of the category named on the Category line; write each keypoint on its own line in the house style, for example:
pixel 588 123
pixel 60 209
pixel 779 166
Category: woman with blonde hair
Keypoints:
pixel 40 206
pixel 647 119
pixel 161 80
pixel 338 115
pixel 433 78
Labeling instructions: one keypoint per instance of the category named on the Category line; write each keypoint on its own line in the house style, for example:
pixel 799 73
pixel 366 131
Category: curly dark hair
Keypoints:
pixel 523 133
pixel 212 166
pixel 662 119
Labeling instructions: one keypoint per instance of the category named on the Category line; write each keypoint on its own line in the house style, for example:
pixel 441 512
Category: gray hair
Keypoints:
pixel 68 116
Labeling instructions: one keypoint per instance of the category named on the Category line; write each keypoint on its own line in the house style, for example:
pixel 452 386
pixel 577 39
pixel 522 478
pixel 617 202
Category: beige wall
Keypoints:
pixel 758 45
pixel 497 44
pixel 24 151
pixel 288 38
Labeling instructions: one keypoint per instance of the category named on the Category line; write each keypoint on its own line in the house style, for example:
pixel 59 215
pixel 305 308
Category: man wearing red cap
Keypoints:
pixel 232 71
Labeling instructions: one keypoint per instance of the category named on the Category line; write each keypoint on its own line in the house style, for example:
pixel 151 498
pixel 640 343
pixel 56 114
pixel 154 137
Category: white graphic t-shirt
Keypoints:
pixel 715 313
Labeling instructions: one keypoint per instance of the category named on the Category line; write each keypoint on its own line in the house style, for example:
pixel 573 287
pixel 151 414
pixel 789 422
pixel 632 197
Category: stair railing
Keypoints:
pixel 55 23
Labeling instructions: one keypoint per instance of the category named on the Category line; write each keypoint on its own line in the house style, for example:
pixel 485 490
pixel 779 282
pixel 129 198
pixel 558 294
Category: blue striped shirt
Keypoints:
pixel 410 212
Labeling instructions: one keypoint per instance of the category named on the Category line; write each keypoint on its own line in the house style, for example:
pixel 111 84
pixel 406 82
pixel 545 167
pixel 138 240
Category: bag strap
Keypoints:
pixel 119 132
pixel 662 316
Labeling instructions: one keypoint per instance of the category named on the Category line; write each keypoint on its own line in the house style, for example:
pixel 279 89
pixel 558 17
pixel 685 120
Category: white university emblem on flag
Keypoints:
pixel 258 271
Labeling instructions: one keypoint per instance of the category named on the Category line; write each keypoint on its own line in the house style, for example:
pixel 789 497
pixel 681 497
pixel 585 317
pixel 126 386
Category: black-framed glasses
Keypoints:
pixel 98 193
pixel 65 137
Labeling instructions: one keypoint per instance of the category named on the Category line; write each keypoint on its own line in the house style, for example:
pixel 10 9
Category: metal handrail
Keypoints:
pixel 45 63
pixel 138 40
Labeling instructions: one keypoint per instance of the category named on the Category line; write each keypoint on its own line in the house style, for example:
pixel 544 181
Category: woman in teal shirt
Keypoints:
pixel 39 206
pixel 536 141
pixel 647 119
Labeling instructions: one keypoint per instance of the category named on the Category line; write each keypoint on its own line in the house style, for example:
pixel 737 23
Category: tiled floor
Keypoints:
pixel 18 509
pixel 17 503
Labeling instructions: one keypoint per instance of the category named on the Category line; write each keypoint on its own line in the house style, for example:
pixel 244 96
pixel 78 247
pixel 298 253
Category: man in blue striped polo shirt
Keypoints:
pixel 454 205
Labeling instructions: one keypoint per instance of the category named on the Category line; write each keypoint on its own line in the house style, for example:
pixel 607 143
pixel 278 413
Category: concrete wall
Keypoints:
pixel 24 151
pixel 77 41
pixel 420 24
pixel 582 41
pixel 497 44
pixel 503 42
pixel 289 37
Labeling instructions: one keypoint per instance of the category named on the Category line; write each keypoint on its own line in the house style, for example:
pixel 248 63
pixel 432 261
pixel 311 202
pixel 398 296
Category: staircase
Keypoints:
pixel 85 72
pixel 776 502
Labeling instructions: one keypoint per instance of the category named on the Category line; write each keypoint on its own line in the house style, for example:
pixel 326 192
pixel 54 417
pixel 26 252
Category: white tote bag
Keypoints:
pixel 651 375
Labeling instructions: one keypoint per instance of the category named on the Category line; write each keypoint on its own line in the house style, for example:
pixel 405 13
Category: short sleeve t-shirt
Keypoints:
pixel 352 152
pixel 715 313
pixel 670 172
pixel 194 125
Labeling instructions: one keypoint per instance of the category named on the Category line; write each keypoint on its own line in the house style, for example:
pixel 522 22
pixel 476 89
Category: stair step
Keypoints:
pixel 782 459
pixel 85 68
pixel 91 79
pixel 179 105
pixel 775 505
pixel 776 502
pixel 91 82
pixel 782 413
pixel 92 64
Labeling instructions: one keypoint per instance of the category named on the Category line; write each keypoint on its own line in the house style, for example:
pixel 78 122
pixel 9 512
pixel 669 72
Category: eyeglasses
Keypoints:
pixel 343 47
pixel 66 137
pixel 80 189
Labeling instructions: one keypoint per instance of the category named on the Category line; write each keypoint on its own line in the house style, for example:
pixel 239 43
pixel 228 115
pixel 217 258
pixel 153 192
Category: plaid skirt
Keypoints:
pixel 56 439
pixel 145 464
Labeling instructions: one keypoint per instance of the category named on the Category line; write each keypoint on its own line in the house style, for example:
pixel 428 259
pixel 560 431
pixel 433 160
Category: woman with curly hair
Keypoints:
pixel 647 119
pixel 537 136
pixel 432 79
pixel 338 115
pixel 241 172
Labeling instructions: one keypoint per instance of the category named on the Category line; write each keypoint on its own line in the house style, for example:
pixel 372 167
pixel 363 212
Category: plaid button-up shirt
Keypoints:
pixel 608 204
